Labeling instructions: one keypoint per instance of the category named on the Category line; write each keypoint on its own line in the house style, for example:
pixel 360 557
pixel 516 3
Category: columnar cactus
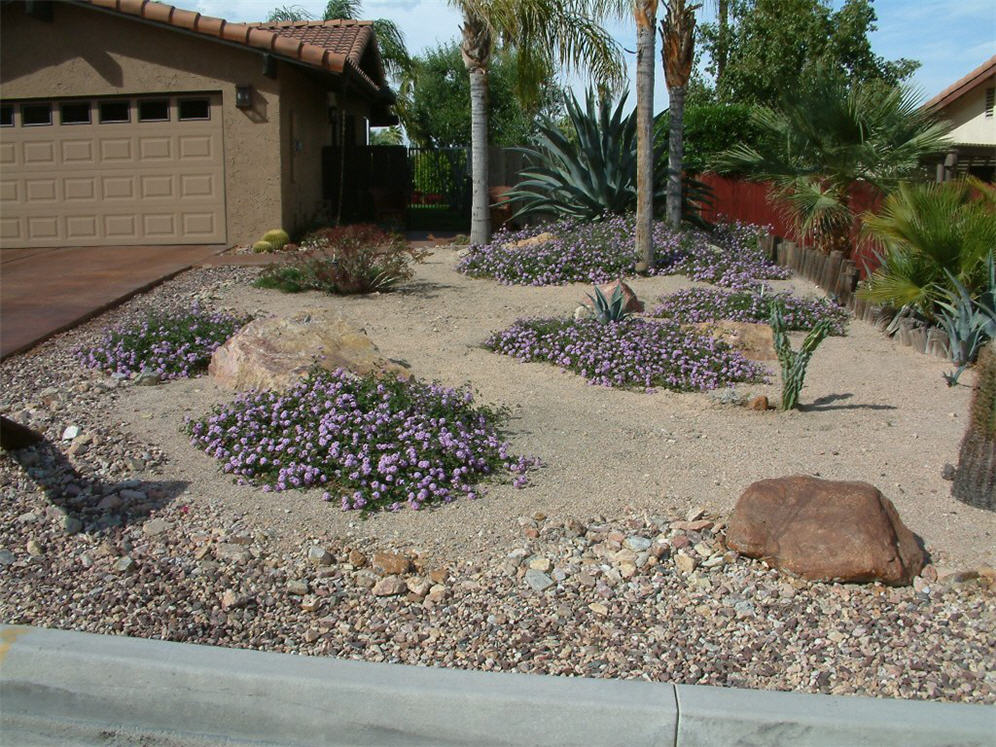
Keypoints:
pixel 975 478
pixel 794 363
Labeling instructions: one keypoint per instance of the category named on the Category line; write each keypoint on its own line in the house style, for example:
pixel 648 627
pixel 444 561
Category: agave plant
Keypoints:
pixel 591 172
pixel 609 310
pixel 968 322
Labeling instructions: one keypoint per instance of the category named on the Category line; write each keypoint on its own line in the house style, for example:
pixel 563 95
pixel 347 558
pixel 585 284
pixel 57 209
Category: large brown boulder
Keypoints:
pixel 824 530
pixel 277 352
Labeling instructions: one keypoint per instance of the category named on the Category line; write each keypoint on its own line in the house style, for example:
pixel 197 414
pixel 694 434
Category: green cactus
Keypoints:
pixel 277 238
pixel 609 311
pixel 262 247
pixel 794 363
pixel 975 478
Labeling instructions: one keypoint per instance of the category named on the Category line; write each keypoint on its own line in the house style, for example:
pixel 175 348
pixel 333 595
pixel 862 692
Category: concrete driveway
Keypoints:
pixel 45 291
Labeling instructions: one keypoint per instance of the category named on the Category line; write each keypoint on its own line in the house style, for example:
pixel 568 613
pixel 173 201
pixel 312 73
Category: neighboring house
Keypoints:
pixel 968 105
pixel 134 122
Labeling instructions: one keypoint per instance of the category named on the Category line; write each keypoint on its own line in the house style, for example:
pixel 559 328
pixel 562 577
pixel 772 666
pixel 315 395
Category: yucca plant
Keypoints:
pixel 591 172
pixel 609 310
pixel 794 363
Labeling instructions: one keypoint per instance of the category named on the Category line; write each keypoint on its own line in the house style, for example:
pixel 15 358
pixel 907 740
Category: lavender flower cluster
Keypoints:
pixel 729 256
pixel 630 353
pixel 578 252
pixel 695 305
pixel 173 345
pixel 379 442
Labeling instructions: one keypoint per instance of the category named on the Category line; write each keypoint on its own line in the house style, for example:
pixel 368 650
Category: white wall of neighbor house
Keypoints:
pixel 974 116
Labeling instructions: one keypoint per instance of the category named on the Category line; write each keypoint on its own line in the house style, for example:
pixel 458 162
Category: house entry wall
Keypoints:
pixel 112 171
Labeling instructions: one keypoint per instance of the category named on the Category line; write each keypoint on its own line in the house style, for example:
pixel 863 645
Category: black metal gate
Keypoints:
pixel 411 188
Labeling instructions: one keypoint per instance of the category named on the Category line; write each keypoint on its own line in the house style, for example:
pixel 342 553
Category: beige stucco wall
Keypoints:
pixel 968 115
pixel 85 52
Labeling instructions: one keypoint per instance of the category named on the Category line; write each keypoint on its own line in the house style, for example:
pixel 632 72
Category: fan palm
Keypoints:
pixel 543 32
pixel 390 39
pixel 936 239
pixel 824 139
pixel 678 53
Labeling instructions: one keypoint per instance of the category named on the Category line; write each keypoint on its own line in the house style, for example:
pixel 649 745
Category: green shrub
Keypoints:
pixel 277 237
pixel 345 260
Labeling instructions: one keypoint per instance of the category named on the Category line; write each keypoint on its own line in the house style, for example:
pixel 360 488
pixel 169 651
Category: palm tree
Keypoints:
pixel 826 138
pixel 542 32
pixel 645 12
pixel 390 39
pixel 678 53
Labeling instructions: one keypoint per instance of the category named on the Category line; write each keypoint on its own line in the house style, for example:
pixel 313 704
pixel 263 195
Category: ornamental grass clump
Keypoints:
pixel 698 305
pixel 577 252
pixel 631 353
pixel 173 345
pixel 376 442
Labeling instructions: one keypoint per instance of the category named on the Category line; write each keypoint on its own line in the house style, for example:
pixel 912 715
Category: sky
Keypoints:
pixel 949 37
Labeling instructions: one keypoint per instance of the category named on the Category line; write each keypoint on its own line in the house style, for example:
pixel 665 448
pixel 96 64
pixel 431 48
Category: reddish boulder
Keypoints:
pixel 824 530
pixel 632 304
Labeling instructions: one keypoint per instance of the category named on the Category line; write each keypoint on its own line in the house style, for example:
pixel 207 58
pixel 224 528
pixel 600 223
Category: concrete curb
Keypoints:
pixel 58 686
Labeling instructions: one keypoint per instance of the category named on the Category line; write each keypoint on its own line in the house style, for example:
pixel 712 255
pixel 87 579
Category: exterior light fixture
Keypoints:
pixel 243 97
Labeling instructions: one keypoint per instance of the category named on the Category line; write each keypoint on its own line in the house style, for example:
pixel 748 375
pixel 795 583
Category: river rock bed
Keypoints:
pixel 96 535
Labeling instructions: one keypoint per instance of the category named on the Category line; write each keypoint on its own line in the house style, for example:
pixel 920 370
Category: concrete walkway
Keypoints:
pixel 46 291
pixel 60 687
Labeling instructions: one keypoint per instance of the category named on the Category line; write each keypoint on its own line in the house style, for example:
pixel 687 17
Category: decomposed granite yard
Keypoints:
pixel 124 527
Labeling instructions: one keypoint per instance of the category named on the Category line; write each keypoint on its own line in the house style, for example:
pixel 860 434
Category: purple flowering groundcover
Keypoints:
pixel 631 353
pixel 376 442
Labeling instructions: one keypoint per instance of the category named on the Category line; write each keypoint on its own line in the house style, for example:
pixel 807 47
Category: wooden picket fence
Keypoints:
pixel 838 278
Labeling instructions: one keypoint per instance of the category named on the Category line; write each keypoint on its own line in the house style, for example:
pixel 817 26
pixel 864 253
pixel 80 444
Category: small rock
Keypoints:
pixel 758 403
pixel 389 586
pixel 297 587
pixel 540 563
pixel 537 580
pixel 695 513
pixel 86 561
pixel 439 575
pixel 71 525
pixel 948 473
pixel 148 378
pixel 391 563
pixel 703 549
pixel 418 586
pixel 692 526
pixel 70 433
pixel 110 502
pixel 154 527
pixel 437 593
pixel 311 635
pixel 229 599
pixel 357 559
pixel 124 564
pixel 231 551
pixel 318 555
pixel 685 563
pixel 637 544
pixel 34 548
pixel 599 609
pixel 310 603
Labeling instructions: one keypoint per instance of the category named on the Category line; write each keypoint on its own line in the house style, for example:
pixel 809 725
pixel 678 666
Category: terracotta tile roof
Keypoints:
pixel 335 46
pixel 959 88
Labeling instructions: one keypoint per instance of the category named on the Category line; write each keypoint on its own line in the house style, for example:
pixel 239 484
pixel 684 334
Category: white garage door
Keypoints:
pixel 112 171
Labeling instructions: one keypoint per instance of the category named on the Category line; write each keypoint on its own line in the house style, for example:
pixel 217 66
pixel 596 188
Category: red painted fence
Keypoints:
pixel 739 199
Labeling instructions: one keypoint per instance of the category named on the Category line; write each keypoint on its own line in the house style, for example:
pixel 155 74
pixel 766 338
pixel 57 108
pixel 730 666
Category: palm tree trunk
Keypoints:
pixel 480 219
pixel 723 41
pixel 645 33
pixel 676 153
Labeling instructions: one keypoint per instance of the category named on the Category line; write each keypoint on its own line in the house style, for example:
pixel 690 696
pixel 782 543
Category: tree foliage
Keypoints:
pixel 774 46
pixel 435 105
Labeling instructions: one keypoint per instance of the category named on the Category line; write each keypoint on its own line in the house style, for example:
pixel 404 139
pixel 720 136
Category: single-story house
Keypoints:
pixel 135 122
pixel 968 105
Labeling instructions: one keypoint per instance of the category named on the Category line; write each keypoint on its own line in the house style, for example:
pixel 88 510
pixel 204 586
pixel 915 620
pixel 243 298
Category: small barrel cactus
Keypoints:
pixel 262 247
pixel 975 478
pixel 277 237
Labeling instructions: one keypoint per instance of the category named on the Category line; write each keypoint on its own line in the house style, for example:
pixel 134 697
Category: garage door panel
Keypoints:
pixel 118 187
pixel 78 152
pixel 142 182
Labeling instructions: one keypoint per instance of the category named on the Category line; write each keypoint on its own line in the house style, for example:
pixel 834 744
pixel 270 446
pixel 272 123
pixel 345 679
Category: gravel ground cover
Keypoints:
pixel 605 566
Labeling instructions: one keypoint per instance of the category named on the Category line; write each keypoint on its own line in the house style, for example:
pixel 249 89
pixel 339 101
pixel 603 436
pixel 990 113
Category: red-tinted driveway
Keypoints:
pixel 45 291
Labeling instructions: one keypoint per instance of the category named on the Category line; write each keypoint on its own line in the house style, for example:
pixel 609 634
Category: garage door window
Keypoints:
pixel 75 112
pixel 113 112
pixel 6 115
pixel 153 110
pixel 34 115
pixel 193 109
